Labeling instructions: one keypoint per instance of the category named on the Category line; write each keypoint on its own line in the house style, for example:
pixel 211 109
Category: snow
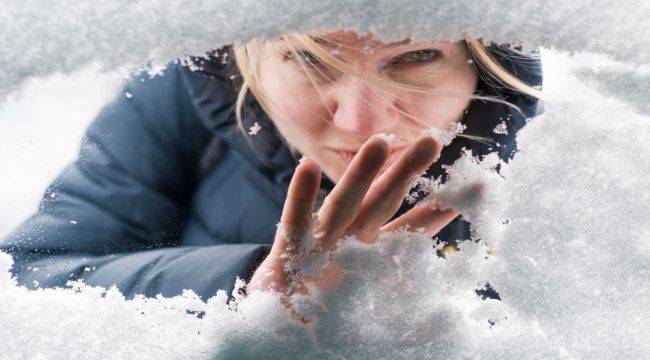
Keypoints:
pixel 389 138
pixel 561 231
pixel 445 137
pixel 254 129
pixel 501 128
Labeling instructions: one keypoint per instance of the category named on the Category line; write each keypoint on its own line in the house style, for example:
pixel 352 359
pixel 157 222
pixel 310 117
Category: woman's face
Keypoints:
pixel 328 117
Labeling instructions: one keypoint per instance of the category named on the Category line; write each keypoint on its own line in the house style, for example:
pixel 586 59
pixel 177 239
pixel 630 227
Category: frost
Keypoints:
pixel 113 34
pixel 560 232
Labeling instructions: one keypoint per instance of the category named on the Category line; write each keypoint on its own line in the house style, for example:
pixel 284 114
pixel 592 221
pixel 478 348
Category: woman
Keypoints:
pixel 169 194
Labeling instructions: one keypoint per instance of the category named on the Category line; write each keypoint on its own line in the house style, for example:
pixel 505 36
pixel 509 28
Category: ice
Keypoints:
pixel 561 232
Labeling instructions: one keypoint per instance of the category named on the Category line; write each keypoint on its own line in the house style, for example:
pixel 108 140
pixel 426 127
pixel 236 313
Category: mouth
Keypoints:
pixel 394 154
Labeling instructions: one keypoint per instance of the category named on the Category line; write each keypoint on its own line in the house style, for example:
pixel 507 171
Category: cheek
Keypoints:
pixel 304 115
pixel 439 111
pixel 296 107
pixel 442 110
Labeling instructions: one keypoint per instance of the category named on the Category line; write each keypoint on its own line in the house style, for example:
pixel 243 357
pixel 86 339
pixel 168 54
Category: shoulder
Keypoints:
pixel 198 87
pixel 189 97
pixel 160 125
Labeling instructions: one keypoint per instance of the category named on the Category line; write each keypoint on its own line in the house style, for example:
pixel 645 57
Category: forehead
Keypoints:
pixel 352 39
pixel 342 39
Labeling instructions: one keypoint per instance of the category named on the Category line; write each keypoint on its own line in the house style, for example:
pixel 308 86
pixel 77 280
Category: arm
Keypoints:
pixel 115 215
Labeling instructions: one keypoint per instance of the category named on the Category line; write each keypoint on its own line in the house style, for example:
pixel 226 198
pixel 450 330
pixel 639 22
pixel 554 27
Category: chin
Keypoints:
pixel 332 167
pixel 334 173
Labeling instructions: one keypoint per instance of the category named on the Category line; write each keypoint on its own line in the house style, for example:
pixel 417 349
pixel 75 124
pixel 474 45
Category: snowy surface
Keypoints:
pixel 71 34
pixel 565 235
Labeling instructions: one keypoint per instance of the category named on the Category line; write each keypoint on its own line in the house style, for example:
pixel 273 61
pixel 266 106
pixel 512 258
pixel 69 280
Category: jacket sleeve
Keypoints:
pixel 115 215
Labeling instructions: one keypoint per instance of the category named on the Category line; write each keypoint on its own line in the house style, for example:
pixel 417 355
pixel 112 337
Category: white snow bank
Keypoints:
pixel 566 226
pixel 44 37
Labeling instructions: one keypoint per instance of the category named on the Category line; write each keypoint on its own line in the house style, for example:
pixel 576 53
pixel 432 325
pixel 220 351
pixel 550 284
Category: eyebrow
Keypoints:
pixel 323 41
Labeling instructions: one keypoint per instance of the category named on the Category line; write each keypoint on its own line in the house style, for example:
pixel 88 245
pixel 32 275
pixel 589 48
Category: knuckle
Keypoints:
pixel 340 202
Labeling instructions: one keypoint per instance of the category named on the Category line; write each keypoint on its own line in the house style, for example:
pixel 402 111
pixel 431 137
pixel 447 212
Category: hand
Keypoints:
pixel 360 205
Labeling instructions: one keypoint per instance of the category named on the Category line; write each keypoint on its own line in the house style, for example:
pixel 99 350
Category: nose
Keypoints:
pixel 362 108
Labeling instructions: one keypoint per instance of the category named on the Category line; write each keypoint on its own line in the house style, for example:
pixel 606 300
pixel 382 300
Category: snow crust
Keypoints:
pixel 561 232
pixel 43 37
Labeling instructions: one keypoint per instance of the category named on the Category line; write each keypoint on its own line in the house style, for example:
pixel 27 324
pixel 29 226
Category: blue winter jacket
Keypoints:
pixel 167 194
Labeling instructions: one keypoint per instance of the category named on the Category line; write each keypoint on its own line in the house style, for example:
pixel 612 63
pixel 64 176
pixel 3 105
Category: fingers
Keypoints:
pixel 423 217
pixel 386 194
pixel 298 206
pixel 342 204
pixel 273 274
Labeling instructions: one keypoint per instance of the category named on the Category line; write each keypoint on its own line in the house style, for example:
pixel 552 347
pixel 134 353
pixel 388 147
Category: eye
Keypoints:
pixel 304 57
pixel 417 57
pixel 316 67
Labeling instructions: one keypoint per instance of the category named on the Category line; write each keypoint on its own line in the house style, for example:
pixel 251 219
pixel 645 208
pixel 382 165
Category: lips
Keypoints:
pixel 346 156
pixel 393 155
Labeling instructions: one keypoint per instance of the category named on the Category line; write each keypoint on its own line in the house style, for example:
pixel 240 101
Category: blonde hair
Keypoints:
pixel 247 59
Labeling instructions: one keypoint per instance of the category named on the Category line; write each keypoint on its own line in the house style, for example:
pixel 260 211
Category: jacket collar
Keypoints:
pixel 213 95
